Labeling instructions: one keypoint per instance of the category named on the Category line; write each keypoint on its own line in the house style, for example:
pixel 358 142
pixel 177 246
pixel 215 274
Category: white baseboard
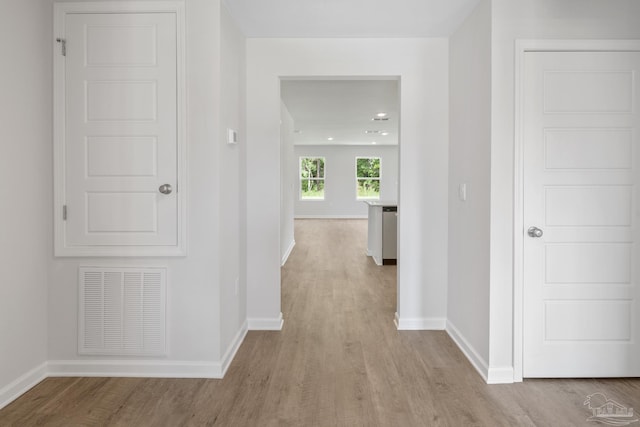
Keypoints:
pixel 502 375
pixel 135 368
pixel 330 217
pixel 420 323
pixel 489 374
pixel 266 324
pixel 233 348
pixel 468 350
pixel 285 257
pixel 21 385
pixel 124 368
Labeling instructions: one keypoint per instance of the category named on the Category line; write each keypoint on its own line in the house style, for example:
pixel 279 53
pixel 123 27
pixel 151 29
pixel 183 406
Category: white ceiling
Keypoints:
pixel 342 110
pixel 349 18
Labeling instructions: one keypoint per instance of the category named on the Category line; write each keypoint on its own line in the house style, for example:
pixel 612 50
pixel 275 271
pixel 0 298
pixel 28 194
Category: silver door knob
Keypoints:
pixel 534 232
pixel 165 189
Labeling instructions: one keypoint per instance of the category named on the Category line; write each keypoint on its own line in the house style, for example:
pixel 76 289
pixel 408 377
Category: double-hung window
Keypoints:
pixel 368 177
pixel 312 178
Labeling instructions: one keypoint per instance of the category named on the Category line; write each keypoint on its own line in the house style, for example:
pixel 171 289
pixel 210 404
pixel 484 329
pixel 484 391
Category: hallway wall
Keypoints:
pixel 25 189
pixel 469 164
pixel 529 19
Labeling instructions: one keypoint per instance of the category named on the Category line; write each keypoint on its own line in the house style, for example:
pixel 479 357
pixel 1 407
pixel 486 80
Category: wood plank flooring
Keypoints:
pixel 339 361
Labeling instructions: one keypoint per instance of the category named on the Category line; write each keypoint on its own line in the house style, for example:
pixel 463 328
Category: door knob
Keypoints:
pixel 165 189
pixel 534 232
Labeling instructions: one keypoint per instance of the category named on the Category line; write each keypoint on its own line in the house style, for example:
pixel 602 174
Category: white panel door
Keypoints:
pixel 581 124
pixel 120 130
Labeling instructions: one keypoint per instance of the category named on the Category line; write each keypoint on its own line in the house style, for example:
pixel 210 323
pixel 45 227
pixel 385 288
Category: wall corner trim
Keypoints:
pixel 22 384
pixel 266 324
pixel 420 323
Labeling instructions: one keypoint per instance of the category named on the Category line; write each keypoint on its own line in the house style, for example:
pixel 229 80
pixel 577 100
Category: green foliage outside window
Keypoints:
pixel 368 177
pixel 312 177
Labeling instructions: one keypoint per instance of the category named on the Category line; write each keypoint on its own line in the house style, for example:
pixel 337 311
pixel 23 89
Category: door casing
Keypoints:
pixel 60 11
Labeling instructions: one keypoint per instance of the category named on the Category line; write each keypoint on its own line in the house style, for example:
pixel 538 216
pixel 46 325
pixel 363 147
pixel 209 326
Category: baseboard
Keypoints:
pixel 124 368
pixel 21 385
pixel 420 323
pixel 134 368
pixel 285 257
pixel 503 375
pixel 330 217
pixel 266 324
pixel 234 346
pixel 491 375
pixel 468 350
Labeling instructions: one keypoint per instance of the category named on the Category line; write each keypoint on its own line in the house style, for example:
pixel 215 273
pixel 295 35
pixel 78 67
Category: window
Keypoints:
pixel 312 178
pixel 368 177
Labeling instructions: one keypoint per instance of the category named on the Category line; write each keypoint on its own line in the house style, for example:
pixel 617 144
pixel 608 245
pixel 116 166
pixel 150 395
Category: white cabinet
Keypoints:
pixel 382 232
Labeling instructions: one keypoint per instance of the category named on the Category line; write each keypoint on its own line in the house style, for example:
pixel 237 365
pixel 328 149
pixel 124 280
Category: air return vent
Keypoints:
pixel 122 311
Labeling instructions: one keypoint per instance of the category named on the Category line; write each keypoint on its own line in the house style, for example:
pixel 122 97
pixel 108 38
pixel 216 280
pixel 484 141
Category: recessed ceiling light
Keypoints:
pixel 330 138
pixel 373 142
pixel 384 133
pixel 381 115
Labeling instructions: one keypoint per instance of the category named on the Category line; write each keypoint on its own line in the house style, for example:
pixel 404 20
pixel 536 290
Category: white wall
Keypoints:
pixel 340 179
pixel 232 110
pixel 529 19
pixel 287 188
pixel 25 191
pixel 469 163
pixel 422 65
pixel 194 287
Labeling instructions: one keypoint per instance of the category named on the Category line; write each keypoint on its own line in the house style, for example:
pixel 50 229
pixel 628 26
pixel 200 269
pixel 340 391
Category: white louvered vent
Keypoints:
pixel 122 311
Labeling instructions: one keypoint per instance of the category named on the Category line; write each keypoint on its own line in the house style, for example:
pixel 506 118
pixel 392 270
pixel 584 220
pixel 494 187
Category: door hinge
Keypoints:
pixel 64 212
pixel 63 46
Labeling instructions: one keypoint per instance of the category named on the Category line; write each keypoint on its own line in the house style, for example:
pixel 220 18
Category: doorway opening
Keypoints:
pixel 339 151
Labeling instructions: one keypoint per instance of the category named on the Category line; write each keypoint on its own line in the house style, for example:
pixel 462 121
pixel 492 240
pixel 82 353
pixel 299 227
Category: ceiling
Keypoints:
pixel 341 112
pixel 349 18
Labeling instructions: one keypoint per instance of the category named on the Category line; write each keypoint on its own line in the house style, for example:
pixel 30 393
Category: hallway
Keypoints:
pixel 338 361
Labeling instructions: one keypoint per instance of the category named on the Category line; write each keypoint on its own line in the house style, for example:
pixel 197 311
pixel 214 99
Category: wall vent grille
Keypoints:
pixel 122 311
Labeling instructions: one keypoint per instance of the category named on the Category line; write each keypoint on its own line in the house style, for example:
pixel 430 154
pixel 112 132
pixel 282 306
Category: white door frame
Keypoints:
pixel 60 11
pixel 521 48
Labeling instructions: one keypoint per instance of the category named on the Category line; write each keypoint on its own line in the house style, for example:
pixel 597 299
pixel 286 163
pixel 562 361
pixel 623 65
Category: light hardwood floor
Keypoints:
pixel 339 361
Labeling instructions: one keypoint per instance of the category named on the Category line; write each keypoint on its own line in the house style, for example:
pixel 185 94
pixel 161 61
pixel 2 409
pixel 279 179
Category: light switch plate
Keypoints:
pixel 232 136
pixel 462 192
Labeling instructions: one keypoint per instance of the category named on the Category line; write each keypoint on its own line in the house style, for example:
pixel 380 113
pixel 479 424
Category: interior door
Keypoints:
pixel 581 214
pixel 120 130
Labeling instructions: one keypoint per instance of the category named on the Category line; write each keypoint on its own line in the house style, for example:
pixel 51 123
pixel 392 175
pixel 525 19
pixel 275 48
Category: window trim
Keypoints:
pixel 379 178
pixel 323 179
